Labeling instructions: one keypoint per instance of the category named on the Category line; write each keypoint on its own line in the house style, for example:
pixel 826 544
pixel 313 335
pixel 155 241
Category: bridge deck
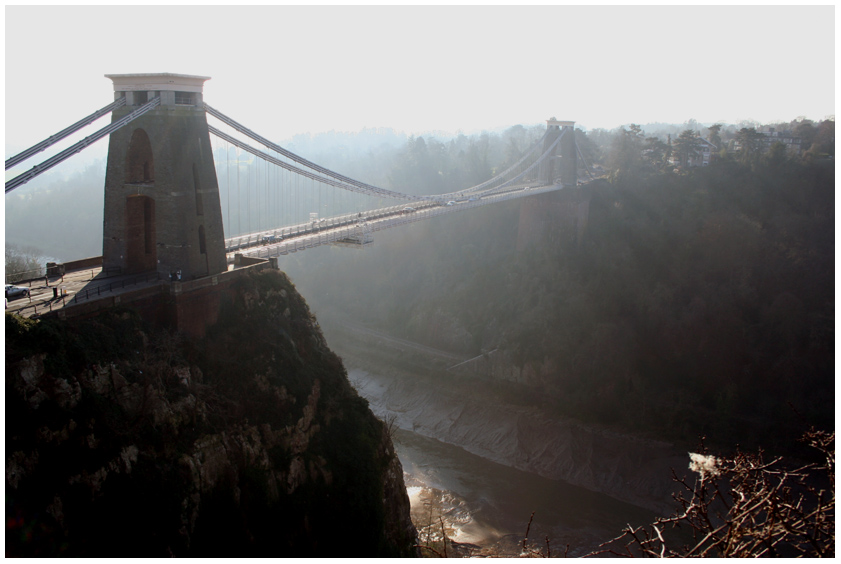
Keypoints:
pixel 58 292
pixel 253 245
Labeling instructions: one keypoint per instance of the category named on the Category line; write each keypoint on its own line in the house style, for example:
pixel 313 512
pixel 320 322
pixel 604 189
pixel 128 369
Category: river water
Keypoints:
pixel 487 507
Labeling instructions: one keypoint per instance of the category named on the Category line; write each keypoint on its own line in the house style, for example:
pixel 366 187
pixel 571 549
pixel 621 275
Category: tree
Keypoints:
pixel 776 155
pixel 746 507
pixel 590 151
pixel 750 145
pixel 806 131
pixel 477 160
pixel 415 171
pixel 517 142
pixel 656 152
pixel 824 141
pixel 512 152
pixel 685 146
pixel 715 135
pixel 625 155
pixel 24 263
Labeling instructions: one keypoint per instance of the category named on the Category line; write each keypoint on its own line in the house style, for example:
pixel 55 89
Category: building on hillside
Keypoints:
pixel 770 136
pixel 787 138
pixel 701 155
pixel 704 152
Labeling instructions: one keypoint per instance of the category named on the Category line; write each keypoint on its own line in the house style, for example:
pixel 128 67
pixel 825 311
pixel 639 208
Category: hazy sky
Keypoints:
pixel 283 70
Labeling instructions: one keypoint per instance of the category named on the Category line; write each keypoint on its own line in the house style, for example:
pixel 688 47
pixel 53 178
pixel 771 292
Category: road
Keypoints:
pixel 75 287
pixel 307 236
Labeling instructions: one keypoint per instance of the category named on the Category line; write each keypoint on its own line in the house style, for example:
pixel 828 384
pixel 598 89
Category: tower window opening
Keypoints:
pixel 140 98
pixel 197 189
pixel 185 98
pixel 202 244
pixel 148 225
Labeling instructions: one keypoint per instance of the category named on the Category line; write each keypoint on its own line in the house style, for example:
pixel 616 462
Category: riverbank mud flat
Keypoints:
pixel 628 468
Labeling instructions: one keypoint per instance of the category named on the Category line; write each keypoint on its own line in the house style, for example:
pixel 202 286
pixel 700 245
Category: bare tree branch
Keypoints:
pixel 744 507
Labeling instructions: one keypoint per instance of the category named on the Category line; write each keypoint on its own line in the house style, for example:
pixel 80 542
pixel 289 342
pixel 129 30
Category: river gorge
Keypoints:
pixel 479 467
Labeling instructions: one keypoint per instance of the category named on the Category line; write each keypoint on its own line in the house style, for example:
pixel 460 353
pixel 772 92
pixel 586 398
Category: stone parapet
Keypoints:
pixel 191 306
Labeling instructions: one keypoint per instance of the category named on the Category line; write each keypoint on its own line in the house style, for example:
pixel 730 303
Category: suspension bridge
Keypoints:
pixel 190 189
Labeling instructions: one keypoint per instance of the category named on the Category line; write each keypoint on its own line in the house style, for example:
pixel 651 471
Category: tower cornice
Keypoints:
pixel 157 81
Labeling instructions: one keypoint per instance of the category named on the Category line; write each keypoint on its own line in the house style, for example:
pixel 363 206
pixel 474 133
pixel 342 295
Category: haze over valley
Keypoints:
pixel 659 320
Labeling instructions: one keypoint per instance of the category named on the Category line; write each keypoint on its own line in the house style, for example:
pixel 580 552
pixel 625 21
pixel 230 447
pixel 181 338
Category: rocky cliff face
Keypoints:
pixel 122 440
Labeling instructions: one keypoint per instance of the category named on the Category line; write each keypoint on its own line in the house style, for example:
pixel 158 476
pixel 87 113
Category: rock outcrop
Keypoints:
pixel 123 440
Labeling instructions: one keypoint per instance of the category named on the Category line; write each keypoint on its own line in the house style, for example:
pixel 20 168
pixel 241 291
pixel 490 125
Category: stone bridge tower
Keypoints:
pixel 561 215
pixel 162 207
pixel 560 167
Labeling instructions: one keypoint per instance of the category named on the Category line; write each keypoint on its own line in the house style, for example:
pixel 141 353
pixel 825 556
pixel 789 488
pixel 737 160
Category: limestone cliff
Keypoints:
pixel 124 440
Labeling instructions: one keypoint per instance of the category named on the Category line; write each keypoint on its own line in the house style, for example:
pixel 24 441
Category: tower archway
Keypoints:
pixel 141 251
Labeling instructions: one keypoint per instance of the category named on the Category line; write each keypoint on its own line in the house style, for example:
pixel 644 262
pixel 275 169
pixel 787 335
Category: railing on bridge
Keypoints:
pixel 97 291
pixel 376 221
pixel 60 296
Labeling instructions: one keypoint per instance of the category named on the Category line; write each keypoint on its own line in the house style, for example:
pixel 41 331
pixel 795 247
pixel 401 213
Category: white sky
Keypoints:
pixel 283 70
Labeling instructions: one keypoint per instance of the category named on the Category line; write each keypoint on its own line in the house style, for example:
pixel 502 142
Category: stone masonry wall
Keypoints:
pixel 561 214
pixel 171 146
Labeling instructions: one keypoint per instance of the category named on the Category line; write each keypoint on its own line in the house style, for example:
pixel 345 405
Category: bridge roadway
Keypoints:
pixel 92 283
pixel 75 287
pixel 282 241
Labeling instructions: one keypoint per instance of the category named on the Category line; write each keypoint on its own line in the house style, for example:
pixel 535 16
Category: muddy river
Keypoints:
pixel 486 507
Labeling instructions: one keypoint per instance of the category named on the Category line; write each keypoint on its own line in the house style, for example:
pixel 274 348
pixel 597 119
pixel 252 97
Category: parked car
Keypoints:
pixel 451 203
pixel 12 291
pixel 408 209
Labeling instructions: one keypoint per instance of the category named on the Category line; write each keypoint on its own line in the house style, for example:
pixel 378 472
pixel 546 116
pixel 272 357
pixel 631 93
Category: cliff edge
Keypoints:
pixel 127 440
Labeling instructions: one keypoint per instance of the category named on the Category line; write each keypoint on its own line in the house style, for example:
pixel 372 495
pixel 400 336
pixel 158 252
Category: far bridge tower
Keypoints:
pixel 561 215
pixel 162 207
pixel 560 167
